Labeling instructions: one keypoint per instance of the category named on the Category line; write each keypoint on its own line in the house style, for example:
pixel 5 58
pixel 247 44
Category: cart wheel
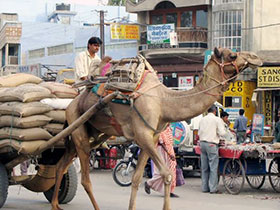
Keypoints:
pixel 4 184
pixel 274 174
pixel 256 182
pixel 67 189
pixel 233 176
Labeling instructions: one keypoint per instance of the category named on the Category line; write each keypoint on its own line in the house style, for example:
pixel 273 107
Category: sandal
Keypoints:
pixel 147 188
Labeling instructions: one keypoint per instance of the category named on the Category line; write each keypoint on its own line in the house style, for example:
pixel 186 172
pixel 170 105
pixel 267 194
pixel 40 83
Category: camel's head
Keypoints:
pixel 231 63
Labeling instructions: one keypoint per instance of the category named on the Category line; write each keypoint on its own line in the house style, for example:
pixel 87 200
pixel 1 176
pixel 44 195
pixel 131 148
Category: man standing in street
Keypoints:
pixel 85 59
pixel 210 129
pixel 240 125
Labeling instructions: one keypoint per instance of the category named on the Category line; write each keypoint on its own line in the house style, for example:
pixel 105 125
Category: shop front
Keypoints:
pixel 267 95
pixel 238 96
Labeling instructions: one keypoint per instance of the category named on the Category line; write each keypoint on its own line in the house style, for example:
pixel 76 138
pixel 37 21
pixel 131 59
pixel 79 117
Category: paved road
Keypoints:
pixel 112 197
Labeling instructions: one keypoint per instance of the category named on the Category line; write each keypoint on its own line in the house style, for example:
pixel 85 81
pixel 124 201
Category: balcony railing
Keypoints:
pixel 195 38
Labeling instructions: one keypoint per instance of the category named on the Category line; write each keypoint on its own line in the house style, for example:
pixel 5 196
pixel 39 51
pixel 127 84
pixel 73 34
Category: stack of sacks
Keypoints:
pixel 25 122
pixel 64 94
pixel 21 113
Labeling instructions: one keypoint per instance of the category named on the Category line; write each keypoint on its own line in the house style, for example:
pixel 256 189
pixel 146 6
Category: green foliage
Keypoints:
pixel 117 2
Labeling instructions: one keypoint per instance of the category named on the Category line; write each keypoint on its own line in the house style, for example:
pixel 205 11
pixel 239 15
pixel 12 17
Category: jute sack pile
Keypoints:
pixel 21 113
pixel 64 95
pixel 25 121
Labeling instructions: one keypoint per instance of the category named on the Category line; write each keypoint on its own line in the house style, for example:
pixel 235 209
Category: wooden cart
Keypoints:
pixel 236 166
pixel 46 155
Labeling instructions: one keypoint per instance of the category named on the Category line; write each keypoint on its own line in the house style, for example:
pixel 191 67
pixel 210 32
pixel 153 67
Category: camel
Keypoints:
pixel 146 118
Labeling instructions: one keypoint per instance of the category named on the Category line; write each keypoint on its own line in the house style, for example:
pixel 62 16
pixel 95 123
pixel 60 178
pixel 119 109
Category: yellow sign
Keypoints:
pixel 124 31
pixel 237 96
pixel 269 77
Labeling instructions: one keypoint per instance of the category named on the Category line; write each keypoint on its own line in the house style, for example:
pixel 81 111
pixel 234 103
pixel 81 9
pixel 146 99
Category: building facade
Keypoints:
pixel 53 40
pixel 243 25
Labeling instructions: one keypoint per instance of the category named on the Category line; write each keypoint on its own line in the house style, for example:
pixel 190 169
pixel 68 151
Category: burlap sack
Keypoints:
pixel 54 128
pixel 24 147
pixel 57 116
pixel 60 90
pixel 23 109
pixel 25 93
pixel 14 80
pixel 7 95
pixel 24 122
pixel 57 103
pixel 27 134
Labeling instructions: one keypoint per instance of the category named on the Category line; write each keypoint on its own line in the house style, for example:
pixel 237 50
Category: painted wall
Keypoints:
pixel 265 13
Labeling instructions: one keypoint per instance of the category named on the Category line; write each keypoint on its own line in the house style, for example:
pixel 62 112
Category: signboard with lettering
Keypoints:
pixel 269 76
pixel 157 34
pixel 185 82
pixel 258 124
pixel 34 69
pixel 233 114
pixel 119 31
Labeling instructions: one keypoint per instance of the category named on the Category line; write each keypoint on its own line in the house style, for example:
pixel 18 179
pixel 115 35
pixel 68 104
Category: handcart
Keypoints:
pixel 46 155
pixel 249 163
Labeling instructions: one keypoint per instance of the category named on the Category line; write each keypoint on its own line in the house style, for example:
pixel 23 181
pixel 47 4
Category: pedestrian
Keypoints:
pixel 240 125
pixel 86 59
pixel 277 128
pixel 211 128
pixel 165 149
pixel 230 136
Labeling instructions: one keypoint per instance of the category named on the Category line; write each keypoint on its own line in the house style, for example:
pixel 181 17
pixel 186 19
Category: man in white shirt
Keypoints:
pixel 210 130
pixel 86 59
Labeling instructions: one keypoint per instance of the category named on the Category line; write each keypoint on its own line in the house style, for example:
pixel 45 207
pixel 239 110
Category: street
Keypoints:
pixel 110 196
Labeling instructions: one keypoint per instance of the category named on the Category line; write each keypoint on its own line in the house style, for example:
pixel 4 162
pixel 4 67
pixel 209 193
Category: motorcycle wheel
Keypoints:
pixel 123 172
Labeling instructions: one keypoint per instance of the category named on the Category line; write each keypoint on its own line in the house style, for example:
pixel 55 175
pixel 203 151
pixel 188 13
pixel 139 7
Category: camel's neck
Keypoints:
pixel 182 105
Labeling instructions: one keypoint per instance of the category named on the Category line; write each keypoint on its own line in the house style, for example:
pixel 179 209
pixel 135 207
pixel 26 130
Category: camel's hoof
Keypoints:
pixel 56 208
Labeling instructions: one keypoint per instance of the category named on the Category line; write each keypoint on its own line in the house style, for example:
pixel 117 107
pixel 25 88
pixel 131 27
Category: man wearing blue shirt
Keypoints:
pixel 240 125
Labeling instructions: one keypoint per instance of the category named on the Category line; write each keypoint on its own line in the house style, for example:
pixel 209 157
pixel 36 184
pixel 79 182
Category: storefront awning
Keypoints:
pixel 267 89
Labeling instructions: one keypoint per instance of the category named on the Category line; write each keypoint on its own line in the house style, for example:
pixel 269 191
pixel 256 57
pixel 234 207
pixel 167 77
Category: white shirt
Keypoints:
pixel 82 64
pixel 211 128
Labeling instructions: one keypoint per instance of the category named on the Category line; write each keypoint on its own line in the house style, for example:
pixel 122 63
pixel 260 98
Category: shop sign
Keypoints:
pixel 185 82
pixel 30 69
pixel 119 31
pixel 235 89
pixel 233 113
pixel 157 34
pixel 269 77
pixel 267 104
pixel 258 124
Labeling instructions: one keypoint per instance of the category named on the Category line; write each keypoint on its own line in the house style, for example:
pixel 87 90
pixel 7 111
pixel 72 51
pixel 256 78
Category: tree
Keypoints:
pixel 116 2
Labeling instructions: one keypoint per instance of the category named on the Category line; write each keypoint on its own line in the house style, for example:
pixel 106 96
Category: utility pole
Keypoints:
pixel 102 37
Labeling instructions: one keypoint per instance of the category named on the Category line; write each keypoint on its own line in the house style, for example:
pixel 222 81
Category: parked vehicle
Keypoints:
pixel 123 171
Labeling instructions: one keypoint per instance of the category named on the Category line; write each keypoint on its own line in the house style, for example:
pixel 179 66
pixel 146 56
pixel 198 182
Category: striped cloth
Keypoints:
pixel 156 182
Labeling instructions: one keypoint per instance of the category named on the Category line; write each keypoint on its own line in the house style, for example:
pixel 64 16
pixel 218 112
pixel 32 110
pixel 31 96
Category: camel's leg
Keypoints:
pixel 147 143
pixel 85 178
pixel 137 177
pixel 61 166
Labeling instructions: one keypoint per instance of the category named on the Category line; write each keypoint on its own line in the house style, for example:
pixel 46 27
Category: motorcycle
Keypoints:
pixel 124 170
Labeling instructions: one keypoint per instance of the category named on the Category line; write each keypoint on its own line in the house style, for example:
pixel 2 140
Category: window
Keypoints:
pixel 38 53
pixel 171 18
pixel 60 49
pixel 227 29
pixel 217 2
pixel 157 19
pixel 233 101
pixel 186 19
pixel 201 19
